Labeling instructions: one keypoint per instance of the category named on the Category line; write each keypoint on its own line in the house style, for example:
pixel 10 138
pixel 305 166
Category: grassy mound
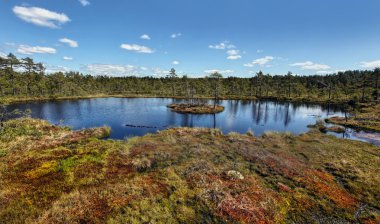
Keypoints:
pixel 196 108
pixel 368 118
pixel 50 174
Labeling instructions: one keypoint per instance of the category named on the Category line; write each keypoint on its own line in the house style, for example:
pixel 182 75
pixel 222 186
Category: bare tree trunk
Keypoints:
pixel 215 95
pixel 329 92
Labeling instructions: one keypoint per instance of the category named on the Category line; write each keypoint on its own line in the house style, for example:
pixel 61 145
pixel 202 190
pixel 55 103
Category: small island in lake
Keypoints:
pixel 189 108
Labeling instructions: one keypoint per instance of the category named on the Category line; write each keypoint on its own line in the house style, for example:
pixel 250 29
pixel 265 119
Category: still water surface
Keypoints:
pixel 239 116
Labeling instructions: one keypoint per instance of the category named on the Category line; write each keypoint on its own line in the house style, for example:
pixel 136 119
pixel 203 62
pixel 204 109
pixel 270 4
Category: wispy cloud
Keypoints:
pixel 71 43
pixel 329 72
pixel 67 58
pixel 175 62
pixel 120 70
pixel 308 65
pixel 222 46
pixel 56 68
pixel 111 69
pixel 233 55
pixel 259 51
pixel 137 48
pixel 40 16
pixel 211 71
pixel 370 64
pixel 25 49
pixel 253 72
pixel 260 61
pixel 175 35
pixel 160 72
pixel 145 37
pixel 84 2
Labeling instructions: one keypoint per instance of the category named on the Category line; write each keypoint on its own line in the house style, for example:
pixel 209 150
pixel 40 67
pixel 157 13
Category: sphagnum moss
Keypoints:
pixel 50 174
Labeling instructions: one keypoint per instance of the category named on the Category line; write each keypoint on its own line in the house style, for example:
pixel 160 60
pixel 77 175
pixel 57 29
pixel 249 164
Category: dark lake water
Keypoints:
pixel 238 116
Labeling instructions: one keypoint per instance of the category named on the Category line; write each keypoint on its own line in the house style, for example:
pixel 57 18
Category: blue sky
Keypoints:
pixel 196 37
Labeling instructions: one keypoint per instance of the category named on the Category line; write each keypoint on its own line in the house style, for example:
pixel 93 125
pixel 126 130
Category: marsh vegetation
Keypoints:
pixel 51 174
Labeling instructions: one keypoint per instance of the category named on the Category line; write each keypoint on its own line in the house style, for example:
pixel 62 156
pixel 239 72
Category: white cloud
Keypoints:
pixel 40 16
pixel 111 69
pixel 25 49
pixel 233 55
pixel 55 69
pixel 175 62
pixel 120 70
pixel 233 52
pixel 84 2
pixel 67 58
pixel 211 71
pixel 2 55
pixel 370 64
pixel 137 48
pixel 329 72
pixel 324 72
pixel 71 43
pixel 175 35
pixel 260 61
pixel 160 72
pixel 252 72
pixel 222 46
pixel 308 65
pixel 145 37
pixel 259 51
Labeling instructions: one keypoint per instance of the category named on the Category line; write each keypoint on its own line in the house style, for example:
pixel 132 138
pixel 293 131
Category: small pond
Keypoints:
pixel 138 116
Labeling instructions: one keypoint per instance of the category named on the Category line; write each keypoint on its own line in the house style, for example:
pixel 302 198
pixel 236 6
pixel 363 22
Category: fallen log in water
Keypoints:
pixel 139 126
pixel 144 126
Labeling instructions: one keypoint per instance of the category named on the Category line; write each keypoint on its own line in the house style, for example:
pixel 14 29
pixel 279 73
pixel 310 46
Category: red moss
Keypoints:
pixel 244 210
pixel 372 221
pixel 334 192
pixel 283 187
pixel 142 149
pixel 152 186
pixel 319 182
pixel 118 165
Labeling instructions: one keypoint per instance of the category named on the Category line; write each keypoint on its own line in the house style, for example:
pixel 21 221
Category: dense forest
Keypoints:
pixel 26 78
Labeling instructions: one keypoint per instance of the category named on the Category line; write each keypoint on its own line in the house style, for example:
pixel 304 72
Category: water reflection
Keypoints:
pixel 238 116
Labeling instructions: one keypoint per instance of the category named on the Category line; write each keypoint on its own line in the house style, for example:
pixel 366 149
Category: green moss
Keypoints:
pixel 3 152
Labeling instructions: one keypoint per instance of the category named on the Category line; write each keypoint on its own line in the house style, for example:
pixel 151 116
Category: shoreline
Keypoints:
pixel 357 126
pixel 15 100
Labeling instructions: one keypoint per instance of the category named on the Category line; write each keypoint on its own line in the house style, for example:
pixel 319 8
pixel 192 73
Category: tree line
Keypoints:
pixel 25 78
